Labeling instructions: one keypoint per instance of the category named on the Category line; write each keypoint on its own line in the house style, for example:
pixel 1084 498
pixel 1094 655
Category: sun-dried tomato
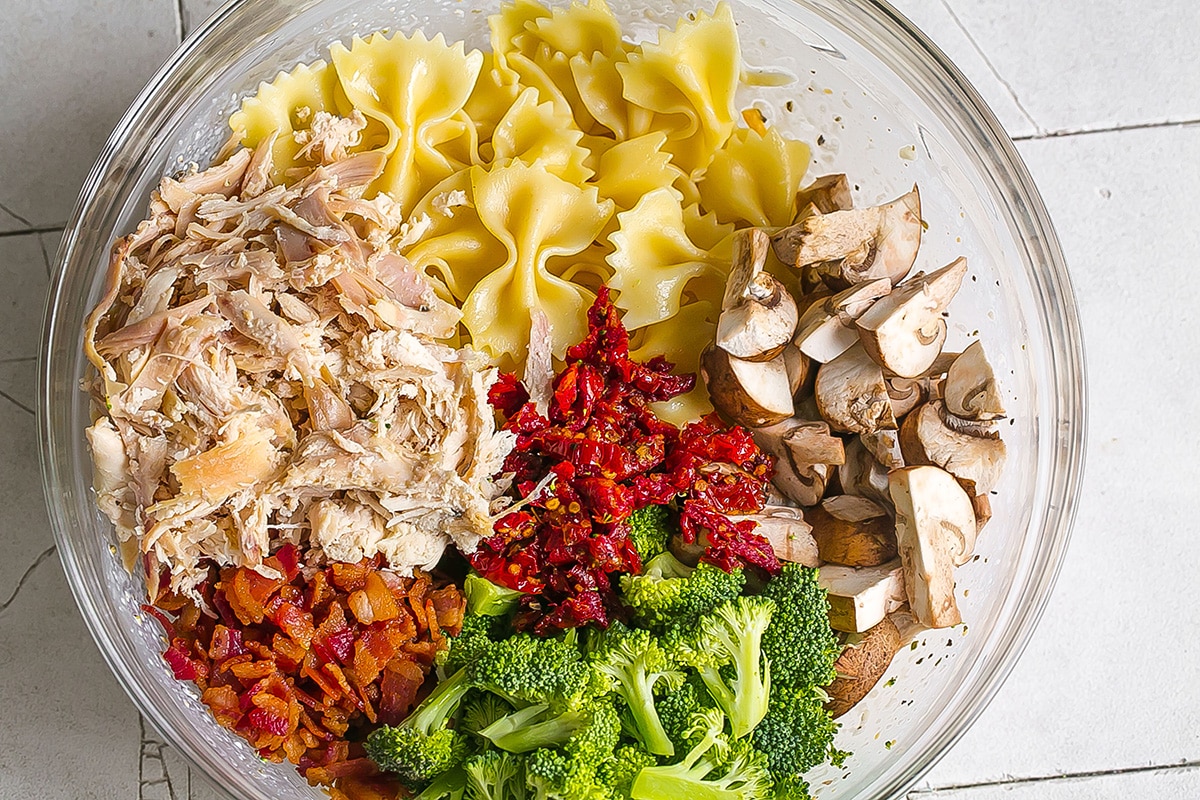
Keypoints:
pixel 610 454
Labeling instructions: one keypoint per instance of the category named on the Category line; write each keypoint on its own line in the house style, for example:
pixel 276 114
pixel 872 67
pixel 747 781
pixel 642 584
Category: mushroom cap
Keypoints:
pixel 905 330
pixel 788 532
pixel 970 389
pixel 750 393
pixel 851 394
pixel 762 324
pixel 926 438
pixel 863 475
pixel 852 531
pixel 827 194
pixel 935 531
pixel 803 453
pixel 826 330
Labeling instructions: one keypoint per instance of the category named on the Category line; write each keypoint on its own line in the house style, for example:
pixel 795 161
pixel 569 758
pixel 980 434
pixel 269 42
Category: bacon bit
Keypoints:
pixel 609 454
pixel 293 689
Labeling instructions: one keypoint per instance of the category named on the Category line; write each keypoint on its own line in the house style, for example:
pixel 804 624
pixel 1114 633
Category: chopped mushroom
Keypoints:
pixel 750 393
pixel 788 532
pixel 968 453
pixel 826 330
pixel 970 388
pixel 863 475
pixel 800 370
pixel 885 446
pixel 904 331
pixel 935 531
pixel 803 452
pixel 851 394
pixel 825 195
pixel 861 665
pixel 758 315
pixel 859 599
pixel 859 244
pixel 852 531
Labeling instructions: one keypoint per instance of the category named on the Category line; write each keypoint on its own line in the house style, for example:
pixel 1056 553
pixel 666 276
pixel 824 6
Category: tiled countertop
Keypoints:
pixel 1103 97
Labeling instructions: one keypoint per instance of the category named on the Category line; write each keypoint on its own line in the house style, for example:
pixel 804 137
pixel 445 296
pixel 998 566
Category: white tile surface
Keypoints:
pixel 69 69
pixel 1083 65
pixel 68 730
pixel 1109 683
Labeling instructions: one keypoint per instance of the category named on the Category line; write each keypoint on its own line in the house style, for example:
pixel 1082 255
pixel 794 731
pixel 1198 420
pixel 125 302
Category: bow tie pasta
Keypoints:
pixel 521 179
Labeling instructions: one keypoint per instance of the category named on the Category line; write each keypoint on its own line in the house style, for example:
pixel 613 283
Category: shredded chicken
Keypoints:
pixel 269 372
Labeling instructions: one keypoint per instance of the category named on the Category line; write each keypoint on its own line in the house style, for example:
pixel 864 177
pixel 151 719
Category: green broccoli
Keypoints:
pixel 534 727
pixel 676 707
pixel 636 662
pixel 477 635
pixel 791 787
pixel 487 599
pixel 797 733
pixel 481 709
pixel 450 785
pixel 525 669
pixel 618 773
pixel 649 529
pixel 712 769
pixel 669 593
pixel 799 643
pixel 423 746
pixel 727 651
pixel 572 771
pixel 494 775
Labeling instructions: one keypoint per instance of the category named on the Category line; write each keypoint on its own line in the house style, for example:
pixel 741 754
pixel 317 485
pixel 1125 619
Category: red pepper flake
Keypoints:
pixel 610 454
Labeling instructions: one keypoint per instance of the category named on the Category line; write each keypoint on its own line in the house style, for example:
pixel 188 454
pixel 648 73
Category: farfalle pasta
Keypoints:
pixel 567 157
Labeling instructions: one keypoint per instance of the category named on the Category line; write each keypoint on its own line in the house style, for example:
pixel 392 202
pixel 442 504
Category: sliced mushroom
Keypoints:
pixel 885 447
pixel 970 388
pixel 859 244
pixel 758 315
pixel 983 510
pixel 800 370
pixel 827 193
pixel 852 531
pixel 907 625
pixel 973 455
pixel 788 532
pixel 750 393
pixel 861 665
pixel 827 328
pixel 904 331
pixel 860 598
pixel 864 476
pixel 851 394
pixel 906 394
pixel 803 452
pixel 935 531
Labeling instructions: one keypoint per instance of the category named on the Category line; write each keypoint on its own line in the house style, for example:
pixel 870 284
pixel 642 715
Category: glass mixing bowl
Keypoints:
pixel 879 102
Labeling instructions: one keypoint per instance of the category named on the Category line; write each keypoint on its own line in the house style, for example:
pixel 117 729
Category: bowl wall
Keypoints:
pixel 883 106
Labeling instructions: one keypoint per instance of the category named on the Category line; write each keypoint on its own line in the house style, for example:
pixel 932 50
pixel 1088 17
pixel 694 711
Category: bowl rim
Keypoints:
pixel 964 110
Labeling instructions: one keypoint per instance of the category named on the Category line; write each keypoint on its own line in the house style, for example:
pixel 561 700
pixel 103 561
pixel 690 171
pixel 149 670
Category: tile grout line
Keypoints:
pixel 37 562
pixel 1012 93
pixel 45 256
pixel 30 231
pixel 180 31
pixel 17 403
pixel 15 216
pixel 1136 126
pixel 1066 776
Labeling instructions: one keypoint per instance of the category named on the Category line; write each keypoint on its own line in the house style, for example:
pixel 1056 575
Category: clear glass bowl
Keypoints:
pixel 885 106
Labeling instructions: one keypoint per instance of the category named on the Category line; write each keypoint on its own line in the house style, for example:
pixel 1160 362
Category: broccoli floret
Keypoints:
pixel 649 529
pixel 727 652
pixel 534 727
pixel 797 733
pixel 669 592
pixel 791 787
pixel 525 669
pixel 619 772
pixel 573 771
pixel 481 709
pixel 712 769
pixel 636 662
pixel 677 706
pixel 477 635
pixel 450 785
pixel 423 746
pixel 487 599
pixel 494 776
pixel 799 643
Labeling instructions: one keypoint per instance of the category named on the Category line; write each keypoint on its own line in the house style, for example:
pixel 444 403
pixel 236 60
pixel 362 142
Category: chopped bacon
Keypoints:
pixel 295 688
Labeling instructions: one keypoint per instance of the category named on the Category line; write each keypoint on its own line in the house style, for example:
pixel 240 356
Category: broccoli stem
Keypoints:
pixel 518 732
pixel 639 694
pixel 441 704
